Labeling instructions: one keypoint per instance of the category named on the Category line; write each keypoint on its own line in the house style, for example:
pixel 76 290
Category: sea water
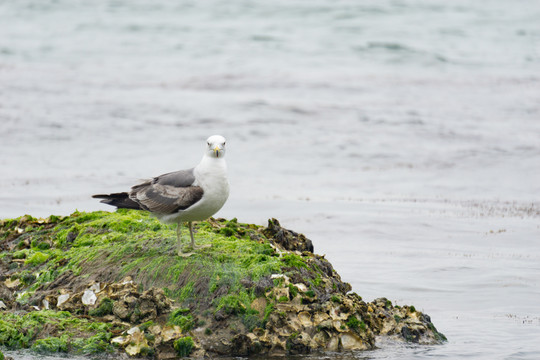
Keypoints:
pixel 402 137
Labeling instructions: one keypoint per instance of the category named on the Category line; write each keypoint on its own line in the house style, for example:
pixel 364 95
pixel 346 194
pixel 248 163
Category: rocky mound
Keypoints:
pixel 95 282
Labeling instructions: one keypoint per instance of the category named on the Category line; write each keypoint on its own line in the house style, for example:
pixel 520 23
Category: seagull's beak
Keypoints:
pixel 216 150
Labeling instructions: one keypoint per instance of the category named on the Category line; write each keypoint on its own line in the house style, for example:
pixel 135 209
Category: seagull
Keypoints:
pixel 182 196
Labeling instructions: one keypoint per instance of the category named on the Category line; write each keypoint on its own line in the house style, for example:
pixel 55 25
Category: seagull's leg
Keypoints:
pixel 178 237
pixel 191 234
pixel 193 246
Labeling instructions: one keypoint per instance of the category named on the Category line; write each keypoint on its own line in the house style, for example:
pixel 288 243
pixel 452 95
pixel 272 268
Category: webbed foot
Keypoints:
pixel 196 247
pixel 185 254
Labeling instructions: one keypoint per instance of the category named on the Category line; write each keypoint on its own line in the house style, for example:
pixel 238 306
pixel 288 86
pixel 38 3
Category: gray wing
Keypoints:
pixel 180 178
pixel 167 193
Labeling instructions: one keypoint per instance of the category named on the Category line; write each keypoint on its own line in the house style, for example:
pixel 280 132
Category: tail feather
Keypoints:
pixel 120 200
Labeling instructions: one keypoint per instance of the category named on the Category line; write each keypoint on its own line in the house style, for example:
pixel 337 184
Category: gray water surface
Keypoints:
pixel 402 137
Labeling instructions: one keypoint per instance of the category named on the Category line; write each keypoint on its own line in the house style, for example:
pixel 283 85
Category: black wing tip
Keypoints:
pixel 120 200
pixel 100 196
pixel 113 195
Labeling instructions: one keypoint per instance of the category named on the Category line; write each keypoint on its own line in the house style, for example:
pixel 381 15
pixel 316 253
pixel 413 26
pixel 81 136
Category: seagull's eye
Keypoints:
pixel 208 143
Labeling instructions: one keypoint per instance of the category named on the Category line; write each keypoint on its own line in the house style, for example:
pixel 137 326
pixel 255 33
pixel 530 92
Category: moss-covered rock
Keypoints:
pixel 94 282
pixel 183 346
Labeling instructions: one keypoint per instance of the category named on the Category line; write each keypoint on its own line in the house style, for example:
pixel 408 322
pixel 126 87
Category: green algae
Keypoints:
pixel 217 283
pixel 293 260
pixel 150 253
pixel 252 320
pixel 293 291
pixel 438 336
pixel 184 346
pixel 353 323
pixel 51 345
pixel 235 304
pixel 37 258
pixel 182 318
pixel 22 254
pixel 105 308
pixel 78 335
pixel 133 243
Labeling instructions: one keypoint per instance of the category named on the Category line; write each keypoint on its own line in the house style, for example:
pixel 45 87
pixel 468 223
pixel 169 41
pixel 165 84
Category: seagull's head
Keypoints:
pixel 215 146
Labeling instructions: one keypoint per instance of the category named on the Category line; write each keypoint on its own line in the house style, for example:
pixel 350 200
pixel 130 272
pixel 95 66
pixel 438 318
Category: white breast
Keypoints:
pixel 211 175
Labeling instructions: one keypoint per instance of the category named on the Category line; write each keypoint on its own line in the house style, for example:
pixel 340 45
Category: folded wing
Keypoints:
pixel 168 193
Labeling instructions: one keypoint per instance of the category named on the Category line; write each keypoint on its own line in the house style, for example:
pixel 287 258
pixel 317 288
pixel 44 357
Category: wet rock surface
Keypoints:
pixel 287 239
pixel 287 300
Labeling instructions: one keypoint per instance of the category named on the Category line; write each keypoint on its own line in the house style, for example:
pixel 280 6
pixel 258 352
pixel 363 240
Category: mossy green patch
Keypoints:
pixel 234 303
pixel 134 243
pixel 293 291
pixel 439 336
pixel 26 277
pixel 294 261
pixel 353 322
pixel 317 280
pixel 36 244
pixel 267 311
pixel 79 335
pixel 183 319
pixel 37 258
pixel 22 254
pixel 363 326
pixel 105 247
pixel 105 308
pixel 184 346
pixel 52 345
